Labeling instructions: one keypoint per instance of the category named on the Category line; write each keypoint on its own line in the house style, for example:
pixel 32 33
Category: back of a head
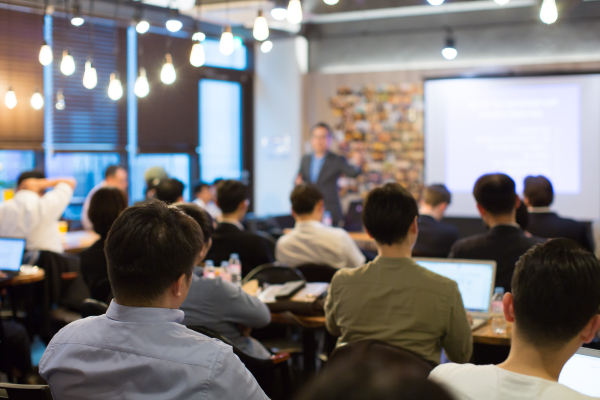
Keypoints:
pixel 153 173
pixel 388 213
pixel 305 198
pixel 556 292
pixel 148 248
pixel 434 195
pixel 170 190
pixel 230 194
pixel 105 207
pixel 111 171
pixel 201 217
pixel 200 186
pixel 539 191
pixel 495 193
pixel 29 175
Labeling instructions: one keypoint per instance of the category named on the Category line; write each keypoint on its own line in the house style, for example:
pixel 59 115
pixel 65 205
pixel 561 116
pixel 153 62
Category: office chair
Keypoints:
pixel 25 392
pixel 274 273
pixel 317 273
pixel 92 308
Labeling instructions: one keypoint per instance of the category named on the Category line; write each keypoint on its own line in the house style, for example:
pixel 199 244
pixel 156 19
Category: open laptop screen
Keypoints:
pixel 582 372
pixel 475 280
pixel 11 254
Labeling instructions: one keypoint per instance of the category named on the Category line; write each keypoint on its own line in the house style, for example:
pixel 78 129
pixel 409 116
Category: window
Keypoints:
pixel 176 165
pixel 214 57
pixel 12 163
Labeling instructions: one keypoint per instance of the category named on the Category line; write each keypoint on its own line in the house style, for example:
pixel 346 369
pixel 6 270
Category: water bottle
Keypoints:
pixel 209 269
pixel 225 271
pixel 235 268
pixel 327 219
pixel 498 321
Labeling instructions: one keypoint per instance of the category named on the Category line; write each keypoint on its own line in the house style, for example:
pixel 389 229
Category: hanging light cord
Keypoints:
pixel 91 54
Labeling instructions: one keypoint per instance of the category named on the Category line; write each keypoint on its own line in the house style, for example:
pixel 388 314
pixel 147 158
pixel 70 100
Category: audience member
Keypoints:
pixel 311 242
pixel 435 237
pixel 114 176
pixel 554 309
pixel 15 353
pixel 152 177
pixel 170 191
pixel 230 236
pixel 393 299
pixel 219 305
pixel 204 199
pixel 105 207
pixel 33 213
pixel 539 195
pixel 505 241
pixel 139 348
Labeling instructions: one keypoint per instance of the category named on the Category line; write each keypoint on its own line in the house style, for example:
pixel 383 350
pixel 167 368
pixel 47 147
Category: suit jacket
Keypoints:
pixel 435 238
pixel 333 166
pixel 550 225
pixel 95 271
pixel 228 239
pixel 504 244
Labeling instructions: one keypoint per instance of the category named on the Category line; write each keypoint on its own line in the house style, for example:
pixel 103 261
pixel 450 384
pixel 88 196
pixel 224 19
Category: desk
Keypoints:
pixel 76 242
pixel 24 279
pixel 23 294
pixel 484 335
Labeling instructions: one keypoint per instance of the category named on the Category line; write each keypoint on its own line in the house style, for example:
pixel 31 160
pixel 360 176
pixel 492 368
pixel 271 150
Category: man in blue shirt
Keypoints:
pixel 139 349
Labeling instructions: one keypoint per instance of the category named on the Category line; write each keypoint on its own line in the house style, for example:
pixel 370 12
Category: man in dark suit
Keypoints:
pixel 230 236
pixel 505 242
pixel 435 237
pixel 323 169
pixel 539 194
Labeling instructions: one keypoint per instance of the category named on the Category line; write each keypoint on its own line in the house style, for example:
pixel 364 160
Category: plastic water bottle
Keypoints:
pixel 225 271
pixel 235 268
pixel 498 321
pixel 327 219
pixel 209 269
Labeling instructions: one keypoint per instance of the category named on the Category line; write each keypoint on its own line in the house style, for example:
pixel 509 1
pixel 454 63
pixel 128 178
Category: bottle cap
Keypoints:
pixel 209 263
pixel 224 264
pixel 235 256
pixel 499 290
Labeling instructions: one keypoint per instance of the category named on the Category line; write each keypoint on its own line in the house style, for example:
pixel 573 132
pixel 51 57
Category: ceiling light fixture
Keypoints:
pixel 549 12
pixel 261 27
pixel 266 47
pixel 76 19
pixel 173 24
pixel 60 100
pixel 227 46
pixel 90 76
pixel 294 12
pixel 435 2
pixel 449 51
pixel 141 88
pixel 67 65
pixel 115 88
pixel 10 99
pixel 45 54
pixel 331 2
pixel 167 73
pixel 501 2
pixel 37 100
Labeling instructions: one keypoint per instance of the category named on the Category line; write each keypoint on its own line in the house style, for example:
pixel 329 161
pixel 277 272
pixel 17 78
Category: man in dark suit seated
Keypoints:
pixel 505 241
pixel 230 236
pixel 435 237
pixel 539 195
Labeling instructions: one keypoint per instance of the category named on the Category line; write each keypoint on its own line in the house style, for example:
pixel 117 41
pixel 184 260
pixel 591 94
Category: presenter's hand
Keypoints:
pixel 299 180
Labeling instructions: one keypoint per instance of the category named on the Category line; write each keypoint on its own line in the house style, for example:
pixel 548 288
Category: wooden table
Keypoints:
pixel 24 279
pixel 484 335
pixel 78 241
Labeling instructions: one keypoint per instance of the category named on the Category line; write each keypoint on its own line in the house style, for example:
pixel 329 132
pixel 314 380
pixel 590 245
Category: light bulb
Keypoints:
pixel 174 25
pixel 331 2
pixel 142 27
pixel 90 77
pixel 449 52
pixel 226 46
pixel 67 65
pixel 45 54
pixel 279 13
pixel 261 27
pixel 141 88
pixel 37 100
pixel 266 46
pixel 549 12
pixel 10 99
pixel 435 2
pixel 294 12
pixel 197 57
pixel 77 21
pixel 199 36
pixel 167 73
pixel 501 2
pixel 60 101
pixel 115 89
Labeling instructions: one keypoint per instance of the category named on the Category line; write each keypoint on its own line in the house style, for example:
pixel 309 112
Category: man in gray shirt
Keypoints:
pixel 139 349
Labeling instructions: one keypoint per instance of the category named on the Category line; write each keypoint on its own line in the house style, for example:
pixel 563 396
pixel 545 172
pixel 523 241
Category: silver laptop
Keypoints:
pixel 475 278
pixel 582 372
pixel 11 256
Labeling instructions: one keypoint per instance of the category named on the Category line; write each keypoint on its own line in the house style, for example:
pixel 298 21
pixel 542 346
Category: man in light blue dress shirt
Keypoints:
pixel 139 349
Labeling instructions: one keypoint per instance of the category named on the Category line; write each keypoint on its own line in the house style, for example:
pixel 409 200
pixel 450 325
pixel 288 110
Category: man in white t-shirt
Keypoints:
pixel 311 242
pixel 554 308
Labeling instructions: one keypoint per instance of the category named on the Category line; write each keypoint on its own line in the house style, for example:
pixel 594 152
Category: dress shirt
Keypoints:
pixel 235 222
pixel 316 164
pixel 311 242
pixel 221 306
pixel 143 353
pixel 35 218
pixel 210 208
pixel 85 220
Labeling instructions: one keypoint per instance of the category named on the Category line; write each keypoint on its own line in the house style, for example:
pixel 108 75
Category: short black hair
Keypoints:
pixel 434 195
pixel 388 213
pixel 148 248
pixel 199 186
pixel 523 216
pixel 304 198
pixel 169 190
pixel 111 171
pixel 539 191
pixel 105 207
pixel 35 174
pixel 495 193
pixel 323 125
pixel 230 194
pixel 556 289
pixel 201 217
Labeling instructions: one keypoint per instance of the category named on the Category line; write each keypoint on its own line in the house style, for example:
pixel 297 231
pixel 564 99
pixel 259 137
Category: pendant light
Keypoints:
pixel 67 65
pixel 549 12
pixel 261 27
pixel 45 54
pixel 435 2
pixel 449 51
pixel 141 88
pixel 115 89
pixel 173 23
pixel 227 46
pixel 167 73
pixel 37 100
pixel 501 2
pixel 60 100
pixel 331 2
pixel 197 56
pixel 142 27
pixel 266 46
pixel 90 77
pixel 10 99
pixel 76 19
pixel 294 12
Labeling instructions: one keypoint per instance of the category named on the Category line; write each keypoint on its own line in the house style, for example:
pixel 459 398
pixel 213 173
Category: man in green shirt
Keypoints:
pixel 393 299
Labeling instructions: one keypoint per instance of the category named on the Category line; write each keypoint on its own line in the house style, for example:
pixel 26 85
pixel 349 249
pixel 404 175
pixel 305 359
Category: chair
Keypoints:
pixel 25 392
pixel 263 370
pixel 269 240
pixel 274 273
pixel 317 273
pixel 92 308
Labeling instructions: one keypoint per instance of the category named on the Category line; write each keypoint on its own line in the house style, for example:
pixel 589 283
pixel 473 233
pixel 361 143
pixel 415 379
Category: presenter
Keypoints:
pixel 323 169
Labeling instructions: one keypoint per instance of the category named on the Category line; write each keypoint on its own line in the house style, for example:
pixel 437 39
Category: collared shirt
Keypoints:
pixel 85 220
pixel 233 222
pixel 403 304
pixel 311 242
pixel 35 218
pixel 537 210
pixel 210 208
pixel 142 353
pixel 316 164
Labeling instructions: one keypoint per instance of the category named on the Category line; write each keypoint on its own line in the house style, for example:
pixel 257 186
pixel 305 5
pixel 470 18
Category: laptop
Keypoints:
pixel 353 220
pixel 582 372
pixel 475 278
pixel 11 256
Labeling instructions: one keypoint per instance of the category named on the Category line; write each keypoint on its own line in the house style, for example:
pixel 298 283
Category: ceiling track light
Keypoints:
pixel 449 51
pixel 227 45
pixel 294 12
pixel 77 19
pixel 261 27
pixel 549 12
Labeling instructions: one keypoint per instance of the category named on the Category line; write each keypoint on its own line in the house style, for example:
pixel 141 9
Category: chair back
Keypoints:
pixel 25 392
pixel 93 308
pixel 269 240
pixel 317 273
pixel 274 273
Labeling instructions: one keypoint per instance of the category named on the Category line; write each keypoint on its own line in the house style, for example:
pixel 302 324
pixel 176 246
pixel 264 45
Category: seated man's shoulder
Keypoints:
pixel 469 242
pixel 453 371
pixel 460 378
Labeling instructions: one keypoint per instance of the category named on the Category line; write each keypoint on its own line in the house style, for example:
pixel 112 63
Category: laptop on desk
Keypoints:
pixel 582 372
pixel 11 256
pixel 475 279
